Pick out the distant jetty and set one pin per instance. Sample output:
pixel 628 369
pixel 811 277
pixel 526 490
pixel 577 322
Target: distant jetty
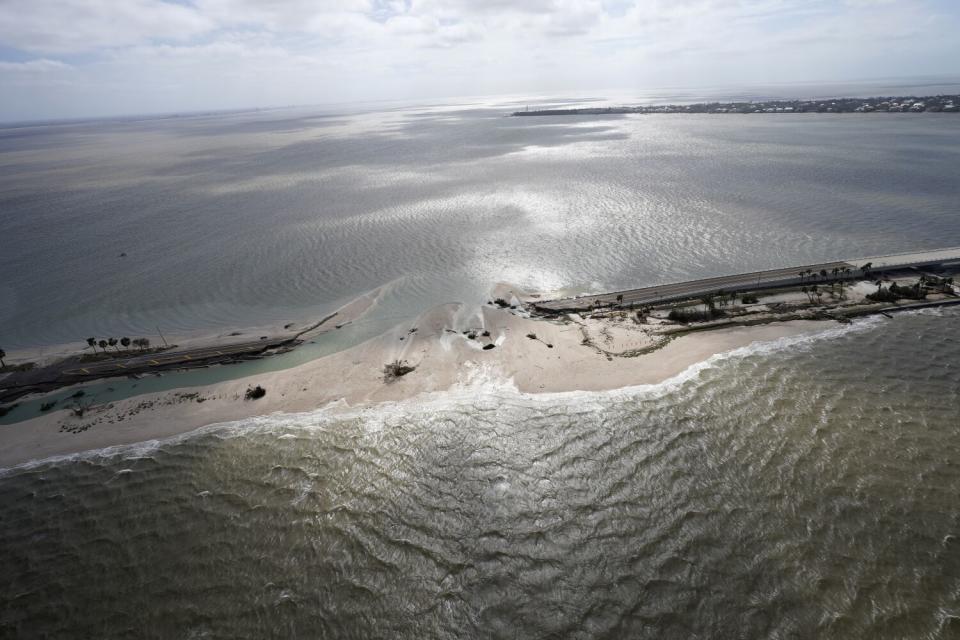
pixel 890 104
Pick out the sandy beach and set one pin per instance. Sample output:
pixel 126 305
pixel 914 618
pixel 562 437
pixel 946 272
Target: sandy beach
pixel 448 345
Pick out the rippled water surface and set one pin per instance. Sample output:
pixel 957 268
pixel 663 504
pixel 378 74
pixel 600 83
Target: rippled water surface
pixel 250 219
pixel 804 489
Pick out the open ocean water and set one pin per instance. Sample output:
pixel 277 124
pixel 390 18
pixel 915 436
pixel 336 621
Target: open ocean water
pixel 804 488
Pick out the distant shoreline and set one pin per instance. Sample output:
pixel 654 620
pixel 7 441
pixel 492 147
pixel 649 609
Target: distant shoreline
pixel 891 104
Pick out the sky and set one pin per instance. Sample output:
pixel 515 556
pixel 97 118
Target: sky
pixel 88 58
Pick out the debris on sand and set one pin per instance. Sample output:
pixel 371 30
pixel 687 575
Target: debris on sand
pixel 396 369
pixel 255 393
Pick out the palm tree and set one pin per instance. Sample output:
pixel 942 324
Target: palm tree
pixel 3 354
pixel 707 301
pixel 801 276
pixel 823 273
pixel 113 343
pixel 145 343
pixel 620 298
pixel 125 342
pixel 103 345
pixel 93 343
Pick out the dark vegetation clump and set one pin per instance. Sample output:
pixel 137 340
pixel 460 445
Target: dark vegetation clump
pixel 884 295
pixel 396 369
pixel 687 315
pixel 79 394
pixel 749 298
pixel 485 334
pixel 500 302
pixel 895 292
pixel 916 292
pixel 255 393
pixel 46 406
pixel 487 347
pixel 7 409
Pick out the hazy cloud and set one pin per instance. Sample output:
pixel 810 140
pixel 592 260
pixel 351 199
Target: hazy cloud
pixel 154 55
pixel 41 65
pixel 71 26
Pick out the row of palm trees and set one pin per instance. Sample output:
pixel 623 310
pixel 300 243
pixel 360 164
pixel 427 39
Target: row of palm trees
pixel 838 272
pixel 141 343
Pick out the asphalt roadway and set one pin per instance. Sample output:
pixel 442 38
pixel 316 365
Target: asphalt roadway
pixel 695 288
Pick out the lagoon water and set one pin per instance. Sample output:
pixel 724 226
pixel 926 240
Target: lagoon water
pixel 805 488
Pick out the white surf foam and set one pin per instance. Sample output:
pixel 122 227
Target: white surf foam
pixel 481 388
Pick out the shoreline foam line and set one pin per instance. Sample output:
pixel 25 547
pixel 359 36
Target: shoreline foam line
pixel 484 384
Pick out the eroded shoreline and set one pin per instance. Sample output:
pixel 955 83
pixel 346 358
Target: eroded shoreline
pixel 446 347
pixel 437 344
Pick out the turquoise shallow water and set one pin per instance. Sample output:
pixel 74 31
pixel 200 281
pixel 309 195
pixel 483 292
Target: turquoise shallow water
pixel 805 488
pixel 113 389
